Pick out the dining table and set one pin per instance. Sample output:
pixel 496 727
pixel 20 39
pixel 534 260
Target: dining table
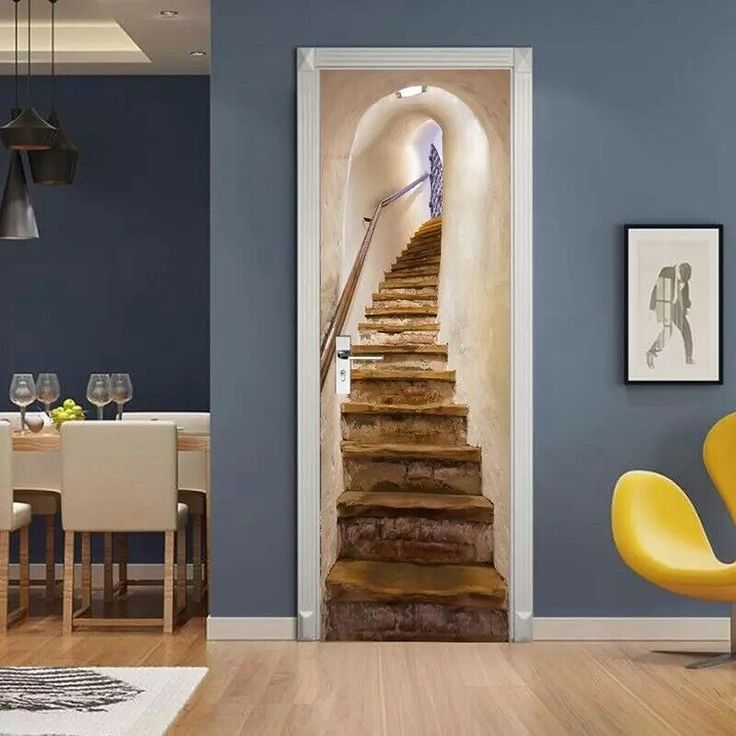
pixel 50 441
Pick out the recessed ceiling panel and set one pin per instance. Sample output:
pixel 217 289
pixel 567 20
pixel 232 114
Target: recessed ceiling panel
pixel 112 36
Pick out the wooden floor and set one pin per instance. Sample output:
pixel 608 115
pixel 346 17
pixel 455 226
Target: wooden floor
pixel 396 689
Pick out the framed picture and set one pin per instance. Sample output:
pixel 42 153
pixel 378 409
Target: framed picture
pixel 674 303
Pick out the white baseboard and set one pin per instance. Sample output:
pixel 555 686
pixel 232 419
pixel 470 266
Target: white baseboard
pixel 632 629
pixel 138 571
pixel 234 628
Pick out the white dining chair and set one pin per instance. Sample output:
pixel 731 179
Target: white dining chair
pixel 193 484
pixel 14 517
pixel 120 477
pixel 37 482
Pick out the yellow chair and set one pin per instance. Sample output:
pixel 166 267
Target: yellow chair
pixel 659 535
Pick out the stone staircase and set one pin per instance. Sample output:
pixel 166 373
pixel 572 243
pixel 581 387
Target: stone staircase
pixel 416 535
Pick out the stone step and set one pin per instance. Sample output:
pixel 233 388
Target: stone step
pixel 377 621
pixel 422 249
pixel 426 233
pixel 400 331
pixel 460 585
pixel 409 269
pixel 409 323
pixel 420 292
pixel 410 273
pixel 388 385
pixel 433 234
pixel 412 311
pixel 403 601
pixel 405 348
pixel 410 451
pixel 415 282
pixel 420 423
pixel 404 261
pixel 404 356
pixel 415 264
pixel 406 324
pixel 425 253
pixel 426 505
pixel 433 410
pixel 387 303
pixel 428 299
pixel 431 224
pixel 403 468
pixel 415 538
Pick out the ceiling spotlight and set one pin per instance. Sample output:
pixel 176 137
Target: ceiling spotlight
pixel 168 13
pixel 198 53
pixel 413 91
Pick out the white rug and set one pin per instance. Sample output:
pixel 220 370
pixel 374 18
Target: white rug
pixel 93 701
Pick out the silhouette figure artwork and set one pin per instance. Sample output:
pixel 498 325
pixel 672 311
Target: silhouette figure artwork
pixel 670 301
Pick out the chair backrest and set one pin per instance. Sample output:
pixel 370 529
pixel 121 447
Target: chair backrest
pixel 652 520
pixel 118 476
pixel 33 470
pixel 719 456
pixel 192 467
pixel 6 476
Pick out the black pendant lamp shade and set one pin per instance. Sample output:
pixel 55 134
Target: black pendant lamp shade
pixel 27 131
pixel 58 164
pixel 17 219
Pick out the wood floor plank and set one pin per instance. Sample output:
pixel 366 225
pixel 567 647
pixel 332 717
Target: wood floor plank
pixel 404 689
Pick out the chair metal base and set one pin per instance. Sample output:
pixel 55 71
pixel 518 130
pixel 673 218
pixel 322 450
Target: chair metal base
pixel 711 659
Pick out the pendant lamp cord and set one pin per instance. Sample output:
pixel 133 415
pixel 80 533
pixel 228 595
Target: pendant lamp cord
pixel 53 54
pixel 17 104
pixel 29 53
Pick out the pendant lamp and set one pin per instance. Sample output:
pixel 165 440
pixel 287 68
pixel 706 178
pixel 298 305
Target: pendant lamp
pixel 17 219
pixel 28 131
pixel 57 165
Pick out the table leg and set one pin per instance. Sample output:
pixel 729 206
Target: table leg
pixel 50 558
pixel 107 563
pixel 86 570
pixel 197 557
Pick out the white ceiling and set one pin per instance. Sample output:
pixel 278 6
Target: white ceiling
pixel 110 36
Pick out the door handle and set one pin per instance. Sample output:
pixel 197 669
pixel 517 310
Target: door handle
pixel 344 361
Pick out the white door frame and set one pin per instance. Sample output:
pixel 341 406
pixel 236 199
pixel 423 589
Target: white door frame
pixel 310 61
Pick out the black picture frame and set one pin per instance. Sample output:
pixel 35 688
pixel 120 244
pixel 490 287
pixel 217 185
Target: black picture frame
pixel 628 229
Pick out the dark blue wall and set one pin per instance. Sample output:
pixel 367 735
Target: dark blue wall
pixel 119 279
pixel 634 121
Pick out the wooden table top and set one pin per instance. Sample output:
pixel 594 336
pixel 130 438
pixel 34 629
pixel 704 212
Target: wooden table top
pixel 51 442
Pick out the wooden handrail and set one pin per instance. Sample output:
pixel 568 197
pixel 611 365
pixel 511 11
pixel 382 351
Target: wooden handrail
pixel 327 349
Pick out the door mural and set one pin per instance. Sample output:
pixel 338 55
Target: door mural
pixel 415 411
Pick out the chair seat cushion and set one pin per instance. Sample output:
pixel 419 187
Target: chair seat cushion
pixel 21 516
pixel 195 500
pixel 182 515
pixel 42 503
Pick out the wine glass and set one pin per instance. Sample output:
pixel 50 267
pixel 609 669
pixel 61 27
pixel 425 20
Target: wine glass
pixel 99 392
pixel 48 389
pixel 122 390
pixel 22 394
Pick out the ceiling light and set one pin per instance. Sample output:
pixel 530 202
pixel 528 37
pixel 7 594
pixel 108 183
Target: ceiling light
pixel 198 53
pixel 412 91
pixel 168 13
